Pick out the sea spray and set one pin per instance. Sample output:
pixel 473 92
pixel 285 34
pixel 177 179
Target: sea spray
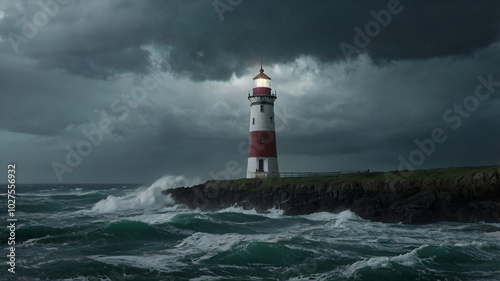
pixel 144 198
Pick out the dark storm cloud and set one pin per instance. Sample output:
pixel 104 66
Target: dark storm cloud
pixel 371 115
pixel 39 102
pixel 96 39
pixel 102 38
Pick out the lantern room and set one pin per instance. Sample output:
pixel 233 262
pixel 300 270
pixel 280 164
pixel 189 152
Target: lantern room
pixel 262 84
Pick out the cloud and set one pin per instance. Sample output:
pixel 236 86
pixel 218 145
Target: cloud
pixel 100 39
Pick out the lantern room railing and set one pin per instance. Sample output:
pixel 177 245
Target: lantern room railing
pixel 273 93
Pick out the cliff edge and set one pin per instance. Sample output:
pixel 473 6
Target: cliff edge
pixel 471 197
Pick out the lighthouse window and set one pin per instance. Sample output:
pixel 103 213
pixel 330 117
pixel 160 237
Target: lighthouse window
pixel 253 121
pixel 262 138
pixel 261 108
pixel 271 119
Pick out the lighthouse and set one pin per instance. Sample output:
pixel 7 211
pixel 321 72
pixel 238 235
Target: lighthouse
pixel 262 154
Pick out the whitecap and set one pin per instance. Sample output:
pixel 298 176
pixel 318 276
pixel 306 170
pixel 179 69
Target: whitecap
pixel 73 192
pixel 238 209
pixel 346 215
pixel 474 244
pixel 162 263
pixel 271 213
pixel 33 241
pixel 144 198
pixel 494 234
pixel 212 244
pixel 408 259
pixel 157 218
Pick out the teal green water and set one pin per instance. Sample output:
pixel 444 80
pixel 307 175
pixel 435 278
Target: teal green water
pixel 115 232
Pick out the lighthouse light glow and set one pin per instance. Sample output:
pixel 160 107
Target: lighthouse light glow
pixel 266 83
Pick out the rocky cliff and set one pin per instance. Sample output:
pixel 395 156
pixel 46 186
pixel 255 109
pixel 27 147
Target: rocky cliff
pixel 467 198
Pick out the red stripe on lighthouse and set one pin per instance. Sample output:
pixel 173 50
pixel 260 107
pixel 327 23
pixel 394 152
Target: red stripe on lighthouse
pixel 261 91
pixel 262 144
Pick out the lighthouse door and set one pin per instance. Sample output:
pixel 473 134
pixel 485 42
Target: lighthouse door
pixel 261 165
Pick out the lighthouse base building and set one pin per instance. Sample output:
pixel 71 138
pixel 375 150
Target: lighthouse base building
pixel 262 153
pixel 262 167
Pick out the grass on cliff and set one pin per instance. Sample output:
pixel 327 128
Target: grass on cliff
pixel 441 173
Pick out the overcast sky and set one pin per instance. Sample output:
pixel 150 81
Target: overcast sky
pixel 129 91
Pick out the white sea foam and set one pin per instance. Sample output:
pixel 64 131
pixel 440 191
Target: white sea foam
pixel 474 244
pixel 206 242
pixel 162 263
pixel 494 234
pixel 312 277
pixel 326 216
pixel 340 220
pixel 33 241
pixel 144 198
pixel 204 278
pixel 238 210
pixel 321 216
pixel 164 215
pixel 50 193
pixel 408 259
pixel 212 244
pixel 373 263
pixel 271 213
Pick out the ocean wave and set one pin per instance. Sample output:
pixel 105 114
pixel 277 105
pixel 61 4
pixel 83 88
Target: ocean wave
pixel 210 243
pixel 161 216
pixel 449 254
pixel 476 250
pixel 271 213
pixel 409 259
pixel 473 244
pixel 126 229
pixel 51 193
pixel 346 215
pixel 33 241
pixel 495 234
pixel 242 249
pixel 36 233
pixel 162 263
pixel 343 219
pixel 145 198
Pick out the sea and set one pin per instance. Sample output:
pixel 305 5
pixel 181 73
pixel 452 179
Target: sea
pixel 133 232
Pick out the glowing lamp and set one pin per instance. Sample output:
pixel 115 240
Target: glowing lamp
pixel 262 84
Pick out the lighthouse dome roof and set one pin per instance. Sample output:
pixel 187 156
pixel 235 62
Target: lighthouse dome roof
pixel 261 75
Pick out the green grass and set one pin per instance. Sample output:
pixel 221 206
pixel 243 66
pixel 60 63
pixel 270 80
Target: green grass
pixel 452 172
pixel 267 182
pixel 441 173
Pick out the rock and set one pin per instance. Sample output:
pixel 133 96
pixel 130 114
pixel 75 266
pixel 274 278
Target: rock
pixel 490 175
pixel 467 198
pixel 479 177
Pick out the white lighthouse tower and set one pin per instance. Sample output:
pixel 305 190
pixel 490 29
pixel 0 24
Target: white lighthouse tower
pixel 262 154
